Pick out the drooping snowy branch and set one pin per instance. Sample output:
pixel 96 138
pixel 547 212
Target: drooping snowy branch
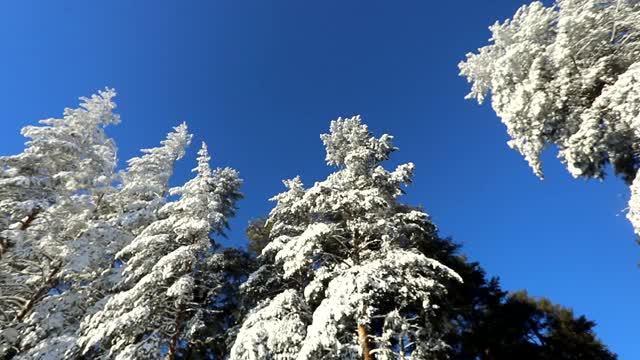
pixel 51 232
pixel 569 76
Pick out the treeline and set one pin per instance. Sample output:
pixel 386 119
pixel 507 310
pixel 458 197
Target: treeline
pixel 97 263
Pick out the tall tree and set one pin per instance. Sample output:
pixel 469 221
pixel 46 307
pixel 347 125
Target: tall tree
pixel 49 191
pixel 116 215
pixel 568 75
pixel 145 184
pixel 523 327
pixel 342 249
pixel 482 321
pixel 161 277
pixel 485 322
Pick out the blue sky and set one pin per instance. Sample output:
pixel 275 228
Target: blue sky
pixel 260 80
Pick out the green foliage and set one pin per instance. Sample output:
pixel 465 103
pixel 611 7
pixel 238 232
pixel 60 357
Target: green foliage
pixel 258 234
pixel 218 303
pixel 488 323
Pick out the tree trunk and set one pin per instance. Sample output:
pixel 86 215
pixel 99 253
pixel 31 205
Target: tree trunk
pixel 48 283
pixel 25 225
pixel 173 346
pixel 5 244
pixel 363 337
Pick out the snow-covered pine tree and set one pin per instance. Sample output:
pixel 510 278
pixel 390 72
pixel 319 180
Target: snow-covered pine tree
pixel 568 75
pixel 351 285
pixel 145 183
pixel 155 313
pixel 115 217
pixel 48 193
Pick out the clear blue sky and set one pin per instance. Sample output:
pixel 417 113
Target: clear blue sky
pixel 260 80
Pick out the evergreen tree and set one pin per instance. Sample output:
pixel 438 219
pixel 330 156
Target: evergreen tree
pixel 145 184
pixel 155 312
pixel 49 191
pixel 342 250
pixel 95 229
pixel 107 228
pixel 523 327
pixel 56 273
pixel 568 75
pixel 482 321
pixel 487 323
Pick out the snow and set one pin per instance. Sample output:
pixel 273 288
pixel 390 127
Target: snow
pixel 345 244
pixel 69 219
pixel 567 75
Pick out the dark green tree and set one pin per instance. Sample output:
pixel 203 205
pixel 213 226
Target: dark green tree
pixel 258 234
pixel 217 303
pixel 487 323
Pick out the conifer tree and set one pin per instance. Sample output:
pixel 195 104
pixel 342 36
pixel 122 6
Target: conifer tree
pixel 161 277
pixel 341 252
pixel 49 191
pixel 481 321
pixel 568 75
pixel 485 322
pixel 145 183
pixel 115 217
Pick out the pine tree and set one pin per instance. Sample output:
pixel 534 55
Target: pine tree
pixel 484 322
pixel 343 255
pixel 154 312
pixel 523 327
pixel 116 216
pixel 49 191
pixel 145 184
pixel 568 75
pixel 481 320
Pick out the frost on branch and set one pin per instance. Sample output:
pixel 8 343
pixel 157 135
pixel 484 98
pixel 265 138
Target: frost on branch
pixel 568 76
pixel 274 329
pixel 159 278
pixel 145 184
pixel 348 243
pixel 52 235
pixel 65 216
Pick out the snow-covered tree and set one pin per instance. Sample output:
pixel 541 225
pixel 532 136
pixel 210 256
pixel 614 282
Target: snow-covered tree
pixel 63 220
pixel 154 312
pixel 63 157
pixel 104 227
pixel 49 191
pixel 568 75
pixel 275 329
pixel 342 258
pixel 146 182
